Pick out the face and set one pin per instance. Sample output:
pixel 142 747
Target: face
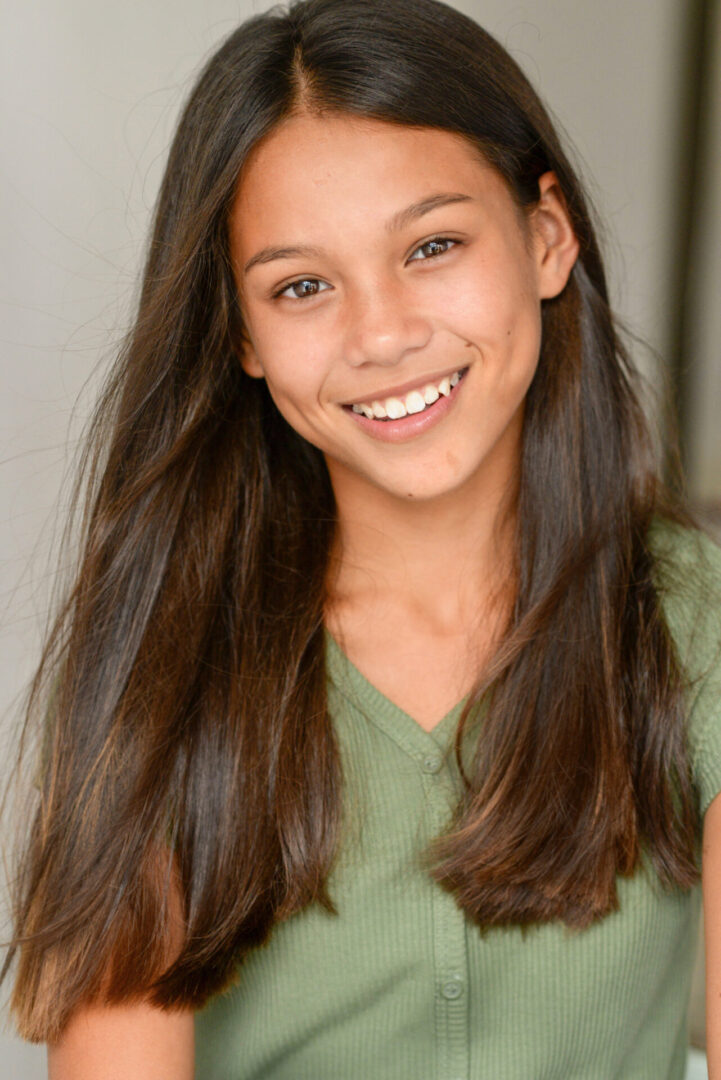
pixel 388 268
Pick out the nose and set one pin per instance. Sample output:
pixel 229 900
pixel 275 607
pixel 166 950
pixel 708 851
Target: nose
pixel 381 325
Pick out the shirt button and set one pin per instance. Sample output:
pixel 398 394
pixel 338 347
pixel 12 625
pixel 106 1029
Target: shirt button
pixel 453 988
pixel 432 763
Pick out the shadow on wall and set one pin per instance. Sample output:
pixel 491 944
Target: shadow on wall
pixel 696 345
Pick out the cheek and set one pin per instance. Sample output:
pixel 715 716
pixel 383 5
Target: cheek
pixel 292 352
pixel 493 303
pixel 506 332
pixel 519 346
pixel 295 375
pixel 501 317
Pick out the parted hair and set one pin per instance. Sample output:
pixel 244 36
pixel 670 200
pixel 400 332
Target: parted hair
pixel 188 747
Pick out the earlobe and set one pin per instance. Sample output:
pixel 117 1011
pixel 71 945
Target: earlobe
pixel 242 343
pixel 556 244
pixel 249 360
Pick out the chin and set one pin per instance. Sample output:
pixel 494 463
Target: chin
pixel 424 491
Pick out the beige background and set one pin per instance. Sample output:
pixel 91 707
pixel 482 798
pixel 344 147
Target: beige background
pixel 89 95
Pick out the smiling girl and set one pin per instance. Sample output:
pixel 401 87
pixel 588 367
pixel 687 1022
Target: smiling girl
pixel 385 729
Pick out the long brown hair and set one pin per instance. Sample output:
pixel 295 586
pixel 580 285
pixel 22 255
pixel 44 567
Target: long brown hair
pixel 188 736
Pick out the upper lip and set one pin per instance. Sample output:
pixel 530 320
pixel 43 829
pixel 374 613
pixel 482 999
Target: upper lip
pixel 404 388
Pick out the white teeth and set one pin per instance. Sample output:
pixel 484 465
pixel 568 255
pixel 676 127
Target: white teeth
pixel 395 408
pixel 414 402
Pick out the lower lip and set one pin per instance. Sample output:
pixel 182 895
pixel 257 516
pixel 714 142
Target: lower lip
pixel 408 427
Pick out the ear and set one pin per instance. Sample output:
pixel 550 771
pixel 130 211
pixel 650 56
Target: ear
pixel 556 246
pixel 247 355
pixel 249 361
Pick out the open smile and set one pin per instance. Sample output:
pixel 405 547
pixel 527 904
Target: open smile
pixel 401 423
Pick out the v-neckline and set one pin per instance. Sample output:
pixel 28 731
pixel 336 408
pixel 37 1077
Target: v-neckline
pixel 381 710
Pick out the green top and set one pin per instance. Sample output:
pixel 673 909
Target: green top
pixel 401 985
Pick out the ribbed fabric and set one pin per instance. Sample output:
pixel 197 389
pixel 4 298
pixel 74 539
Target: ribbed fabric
pixel 401 985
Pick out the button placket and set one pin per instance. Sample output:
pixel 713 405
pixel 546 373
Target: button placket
pixel 450 950
pixel 440 787
pixel 432 763
pixel 452 988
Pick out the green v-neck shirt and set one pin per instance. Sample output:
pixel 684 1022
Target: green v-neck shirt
pixel 400 985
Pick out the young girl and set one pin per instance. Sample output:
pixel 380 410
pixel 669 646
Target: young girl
pixel 382 722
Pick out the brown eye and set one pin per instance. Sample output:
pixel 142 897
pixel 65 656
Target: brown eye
pixel 300 289
pixel 438 245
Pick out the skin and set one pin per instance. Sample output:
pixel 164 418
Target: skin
pixel 435 509
pixel 120 1042
pixel 379 319
pixel 385 309
pixel 382 313
pixel 135 1041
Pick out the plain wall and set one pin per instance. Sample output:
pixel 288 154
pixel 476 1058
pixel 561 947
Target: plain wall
pixel 89 95
pixel 704 308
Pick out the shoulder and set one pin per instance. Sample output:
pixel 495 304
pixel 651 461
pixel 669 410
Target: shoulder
pixel 684 556
pixel 688 578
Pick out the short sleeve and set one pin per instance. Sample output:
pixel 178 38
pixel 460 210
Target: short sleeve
pixel 689 576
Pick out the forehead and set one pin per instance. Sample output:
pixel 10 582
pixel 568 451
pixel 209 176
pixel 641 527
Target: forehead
pixel 313 172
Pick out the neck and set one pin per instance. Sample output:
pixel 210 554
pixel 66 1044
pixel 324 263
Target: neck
pixel 447 562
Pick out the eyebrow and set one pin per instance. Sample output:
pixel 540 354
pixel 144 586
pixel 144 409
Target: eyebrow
pixel 400 220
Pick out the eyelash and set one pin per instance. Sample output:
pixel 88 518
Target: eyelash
pixel 299 281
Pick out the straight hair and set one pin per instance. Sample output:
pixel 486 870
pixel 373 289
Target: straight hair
pixel 188 740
